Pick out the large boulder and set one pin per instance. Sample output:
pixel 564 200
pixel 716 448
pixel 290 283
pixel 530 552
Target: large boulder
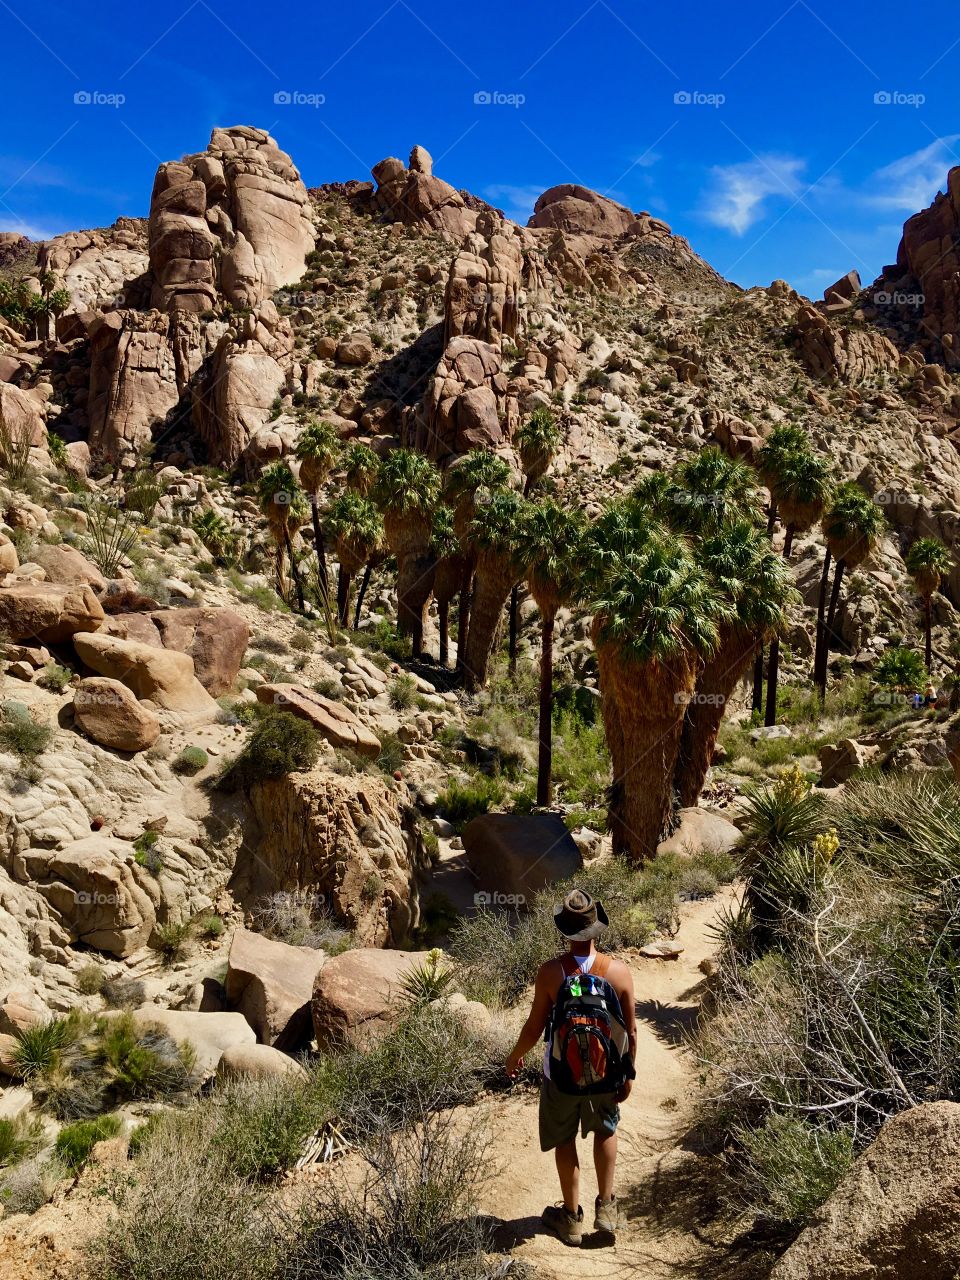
pixel 161 675
pixel 68 566
pixel 102 898
pixel 258 1062
pixel 216 639
pixel 580 211
pixel 209 1035
pixel 335 722
pixel 271 983
pixel 467 404
pixel 133 381
pixel 514 856
pixel 414 196
pixel 353 843
pixel 50 612
pixel 700 830
pixel 357 995
pixel 21 416
pixel 109 713
pixel 483 288
pixel 896 1215
pixel 839 761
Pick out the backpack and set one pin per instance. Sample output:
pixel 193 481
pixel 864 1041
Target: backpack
pixel 589 1048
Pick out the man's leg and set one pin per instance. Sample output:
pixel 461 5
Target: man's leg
pixel 568 1168
pixel 605 1160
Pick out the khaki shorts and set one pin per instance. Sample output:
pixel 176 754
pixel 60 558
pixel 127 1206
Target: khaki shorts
pixel 562 1114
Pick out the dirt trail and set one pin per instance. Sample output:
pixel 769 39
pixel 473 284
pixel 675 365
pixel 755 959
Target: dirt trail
pixel 660 1234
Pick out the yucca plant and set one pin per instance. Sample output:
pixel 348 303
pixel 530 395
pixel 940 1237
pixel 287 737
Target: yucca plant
pixel 142 492
pixel 928 562
pixel 111 536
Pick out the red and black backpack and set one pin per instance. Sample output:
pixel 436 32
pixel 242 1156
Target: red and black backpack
pixel 589 1046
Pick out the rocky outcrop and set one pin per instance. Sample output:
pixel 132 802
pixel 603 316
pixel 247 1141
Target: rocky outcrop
pixel 847 355
pixel 21 416
pixel 483 288
pixel 238 385
pixel 896 1215
pixel 109 713
pixel 414 196
pixel 351 840
pixel 271 984
pixel 332 720
pixel 216 639
pixel 133 382
pixel 66 565
pixel 48 611
pixel 359 993
pixel 232 220
pixel 569 207
pixel 163 676
pixel 929 256
pixel 209 1035
pixel 514 856
pixel 466 405
pixel 100 269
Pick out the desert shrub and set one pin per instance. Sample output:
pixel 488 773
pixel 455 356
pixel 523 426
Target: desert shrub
pixel 270 644
pixel 581 762
pixel 403 692
pixel 19 1139
pixel 171 940
pixel 90 979
pixel 145 852
pixel 190 761
pixel 54 678
pixel 899 668
pixel 123 993
pixel 76 1141
pixel 459 802
pixel 21 735
pixel 28 1185
pixel 210 926
pixel 391 755
pixel 300 918
pixel 280 743
pixel 384 638
pixel 790 1168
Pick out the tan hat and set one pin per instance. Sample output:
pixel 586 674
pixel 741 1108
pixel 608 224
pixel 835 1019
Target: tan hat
pixel 580 917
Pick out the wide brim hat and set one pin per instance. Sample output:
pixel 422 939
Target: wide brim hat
pixel 580 917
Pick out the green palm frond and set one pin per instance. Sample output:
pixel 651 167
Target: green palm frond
pixel 551 538
pixel 356 520
pixel 479 469
pixel 362 467
pixel 407 483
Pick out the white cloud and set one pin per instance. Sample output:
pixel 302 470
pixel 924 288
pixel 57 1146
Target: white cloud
pixel 740 192
pixel 910 183
pixel 516 202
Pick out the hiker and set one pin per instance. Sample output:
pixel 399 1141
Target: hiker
pixel 930 696
pixel 583 1006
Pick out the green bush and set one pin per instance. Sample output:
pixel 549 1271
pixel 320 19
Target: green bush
pixel 19 1139
pixel 581 762
pixel 21 735
pixel 790 1168
pixel 90 979
pixel 391 755
pixel 76 1141
pixel 900 669
pixel 190 761
pixel 403 692
pixel 280 743
pixel 171 940
pixel 210 926
pixel 459 802
pixel 54 677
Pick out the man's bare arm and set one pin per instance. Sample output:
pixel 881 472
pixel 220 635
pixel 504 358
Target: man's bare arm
pixel 536 1022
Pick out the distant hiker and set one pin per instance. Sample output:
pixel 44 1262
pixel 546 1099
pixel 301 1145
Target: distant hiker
pixel 583 1006
pixel 930 696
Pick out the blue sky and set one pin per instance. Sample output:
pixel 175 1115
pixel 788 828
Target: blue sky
pixel 786 139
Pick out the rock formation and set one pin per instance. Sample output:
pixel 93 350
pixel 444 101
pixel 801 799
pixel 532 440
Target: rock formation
pixel 413 195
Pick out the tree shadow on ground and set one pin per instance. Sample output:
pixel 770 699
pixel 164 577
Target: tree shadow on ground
pixel 672 1023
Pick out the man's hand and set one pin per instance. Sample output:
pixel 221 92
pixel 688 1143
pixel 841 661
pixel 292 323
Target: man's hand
pixel 623 1093
pixel 514 1064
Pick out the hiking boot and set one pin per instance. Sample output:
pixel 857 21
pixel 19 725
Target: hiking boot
pixel 568 1226
pixel 605 1215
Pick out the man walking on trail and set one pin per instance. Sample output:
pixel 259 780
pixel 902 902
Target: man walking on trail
pixel 584 1005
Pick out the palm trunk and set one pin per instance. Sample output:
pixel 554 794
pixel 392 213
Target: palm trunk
pixel 322 577
pixel 757 701
pixel 343 596
pixel 364 583
pixel 514 615
pixel 613 730
pixel 491 591
pixel 701 722
pixel 652 699
pixel 463 625
pixel 788 542
pixel 771 518
pixel 294 568
pixel 414 588
pixel 820 649
pixel 545 754
pixel 928 629
pixel 443 617
pixel 773 674
pixel 832 610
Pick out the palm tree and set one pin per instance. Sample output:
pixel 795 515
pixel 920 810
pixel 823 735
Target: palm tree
pixel 355 525
pixel 495 540
pixel 361 466
pixel 852 526
pixel 775 454
pixel 478 471
pixel 746 570
pixel 283 504
pixel 704 493
pixel 928 560
pixel 800 489
pixel 448 576
pixel 656 618
pixel 407 492
pixel 318 448
pixel 537 441
pixel 551 534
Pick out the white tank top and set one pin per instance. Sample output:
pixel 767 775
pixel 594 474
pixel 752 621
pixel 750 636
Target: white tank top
pixel 584 964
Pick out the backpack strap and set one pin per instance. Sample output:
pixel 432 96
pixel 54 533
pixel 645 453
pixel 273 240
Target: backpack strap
pixel 601 966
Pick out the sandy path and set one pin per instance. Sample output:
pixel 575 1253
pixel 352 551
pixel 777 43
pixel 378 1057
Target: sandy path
pixel 656 1238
